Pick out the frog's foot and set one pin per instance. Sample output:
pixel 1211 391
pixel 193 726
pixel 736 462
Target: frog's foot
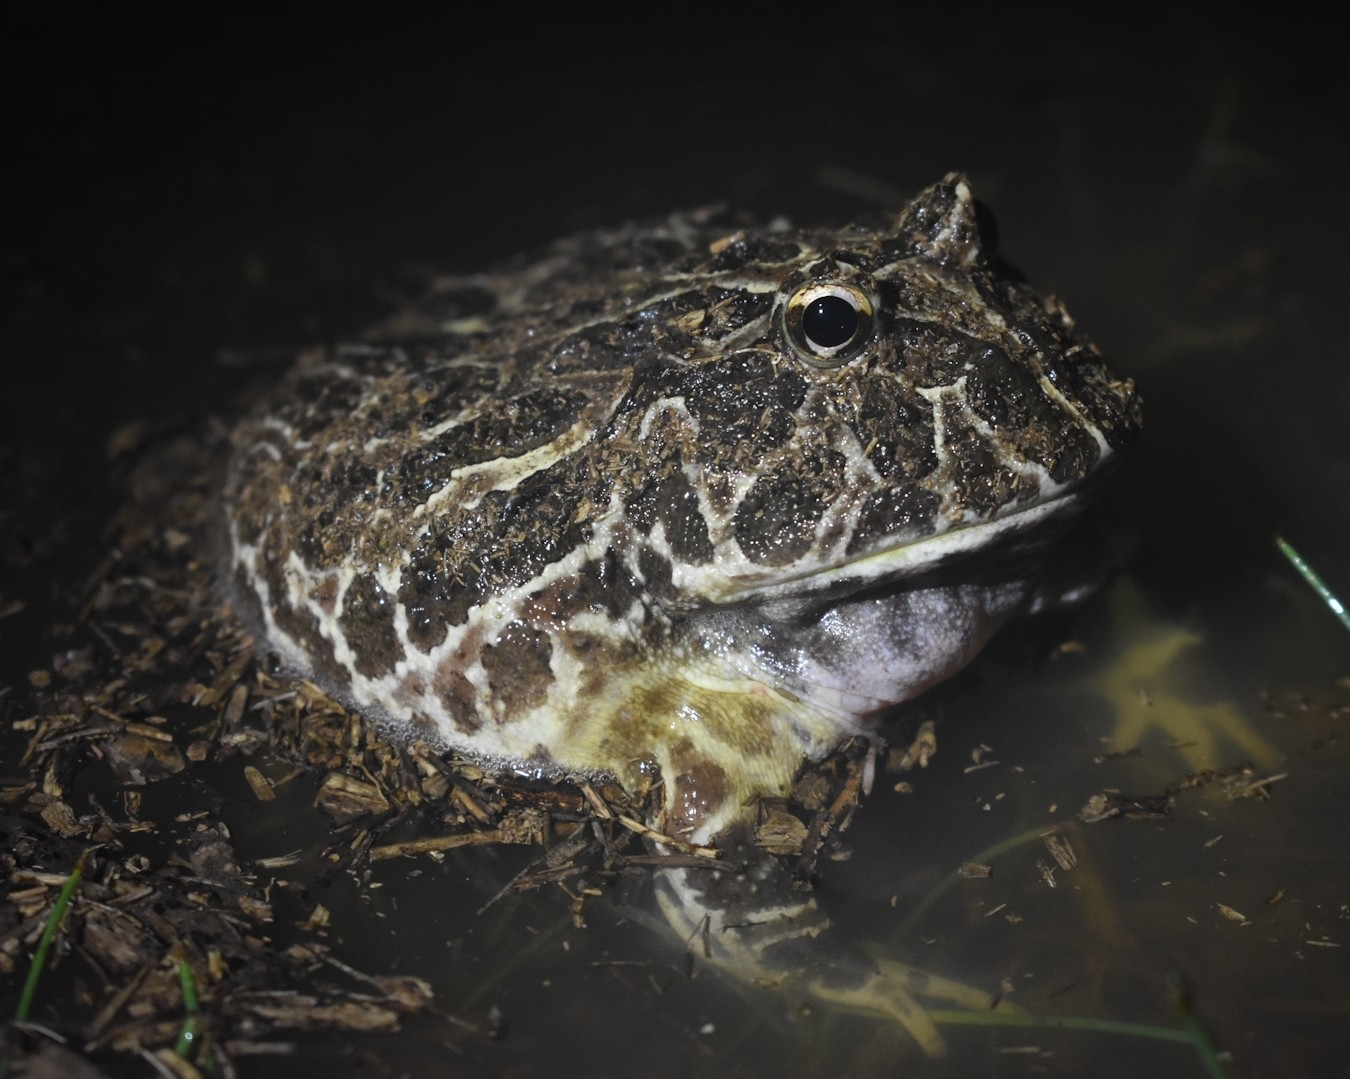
pixel 747 923
pixel 892 990
pixel 884 988
pixel 1200 733
pixel 1146 687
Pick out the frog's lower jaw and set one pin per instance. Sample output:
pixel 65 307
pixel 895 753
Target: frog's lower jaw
pixel 747 920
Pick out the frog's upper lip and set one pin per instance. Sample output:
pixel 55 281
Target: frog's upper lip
pixel 908 557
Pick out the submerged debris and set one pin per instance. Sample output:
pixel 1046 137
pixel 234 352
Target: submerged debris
pixel 1237 781
pixel 153 683
pixel 1106 804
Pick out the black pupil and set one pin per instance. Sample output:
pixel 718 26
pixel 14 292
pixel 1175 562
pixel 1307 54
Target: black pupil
pixel 830 321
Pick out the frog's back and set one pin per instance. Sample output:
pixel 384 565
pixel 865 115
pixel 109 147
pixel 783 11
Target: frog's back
pixel 571 516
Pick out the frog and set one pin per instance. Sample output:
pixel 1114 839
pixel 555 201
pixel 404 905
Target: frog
pixel 688 504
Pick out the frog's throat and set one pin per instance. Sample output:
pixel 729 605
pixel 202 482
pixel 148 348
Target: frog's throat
pixel 720 745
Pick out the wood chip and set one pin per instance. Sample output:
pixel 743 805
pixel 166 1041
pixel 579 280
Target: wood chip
pixel 919 752
pixel 667 840
pixel 345 798
pixel 780 832
pixel 262 789
pixel 1061 850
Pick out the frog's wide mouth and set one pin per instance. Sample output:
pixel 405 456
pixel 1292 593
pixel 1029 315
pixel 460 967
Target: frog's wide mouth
pixel 907 557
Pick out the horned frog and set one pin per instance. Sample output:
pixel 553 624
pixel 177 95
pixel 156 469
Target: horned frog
pixel 695 502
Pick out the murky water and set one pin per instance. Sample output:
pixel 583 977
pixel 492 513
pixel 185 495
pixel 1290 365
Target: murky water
pixel 1185 197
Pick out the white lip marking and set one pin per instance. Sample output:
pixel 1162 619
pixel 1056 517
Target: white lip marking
pixel 909 557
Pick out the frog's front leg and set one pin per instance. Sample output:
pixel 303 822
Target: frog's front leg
pixel 750 919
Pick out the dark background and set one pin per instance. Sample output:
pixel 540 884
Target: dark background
pixel 195 194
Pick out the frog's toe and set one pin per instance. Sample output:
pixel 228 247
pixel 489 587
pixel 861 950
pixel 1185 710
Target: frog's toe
pixel 886 997
pixel 922 983
pixel 1203 735
pixel 892 990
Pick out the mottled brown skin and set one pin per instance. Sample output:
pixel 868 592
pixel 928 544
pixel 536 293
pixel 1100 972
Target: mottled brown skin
pixel 695 501
pixel 571 502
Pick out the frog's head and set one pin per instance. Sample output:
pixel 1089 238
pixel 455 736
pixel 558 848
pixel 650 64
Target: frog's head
pixel 869 403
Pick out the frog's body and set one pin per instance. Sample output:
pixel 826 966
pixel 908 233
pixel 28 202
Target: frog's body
pixel 671 500
pixel 692 504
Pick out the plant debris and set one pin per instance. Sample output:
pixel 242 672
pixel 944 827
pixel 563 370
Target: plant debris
pixel 172 944
pixel 1237 781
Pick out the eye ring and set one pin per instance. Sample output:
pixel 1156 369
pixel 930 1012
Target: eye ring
pixel 828 323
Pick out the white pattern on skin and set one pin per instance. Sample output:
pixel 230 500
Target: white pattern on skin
pixel 617 510
pixel 602 511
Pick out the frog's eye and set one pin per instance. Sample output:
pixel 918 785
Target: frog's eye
pixel 828 324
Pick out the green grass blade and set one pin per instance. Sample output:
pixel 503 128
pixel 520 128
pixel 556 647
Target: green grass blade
pixel 188 1034
pixel 1314 580
pixel 48 935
